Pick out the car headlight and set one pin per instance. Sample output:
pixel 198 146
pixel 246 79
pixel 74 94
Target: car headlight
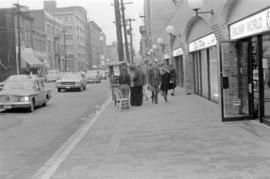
pixel 24 98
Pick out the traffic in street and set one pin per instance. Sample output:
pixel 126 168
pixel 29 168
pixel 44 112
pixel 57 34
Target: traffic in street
pixel 29 139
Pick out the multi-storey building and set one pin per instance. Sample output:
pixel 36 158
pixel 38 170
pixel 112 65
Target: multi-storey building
pixel 74 20
pixel 223 56
pixel 48 39
pixel 112 54
pixel 96 47
pixel 10 62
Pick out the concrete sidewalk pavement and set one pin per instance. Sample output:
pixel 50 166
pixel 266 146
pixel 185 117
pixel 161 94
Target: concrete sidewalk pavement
pixel 182 139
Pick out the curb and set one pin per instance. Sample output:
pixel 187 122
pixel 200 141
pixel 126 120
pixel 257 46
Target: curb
pixel 51 166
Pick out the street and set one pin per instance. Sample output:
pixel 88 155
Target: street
pixel 28 140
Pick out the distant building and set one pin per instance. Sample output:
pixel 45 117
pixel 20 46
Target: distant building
pixel 74 20
pixel 112 54
pixel 96 45
pixel 48 39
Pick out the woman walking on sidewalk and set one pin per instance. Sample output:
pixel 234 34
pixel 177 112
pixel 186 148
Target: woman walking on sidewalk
pixel 165 82
pixel 154 80
pixel 173 78
pixel 136 92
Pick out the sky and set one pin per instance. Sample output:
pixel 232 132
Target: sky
pixel 100 11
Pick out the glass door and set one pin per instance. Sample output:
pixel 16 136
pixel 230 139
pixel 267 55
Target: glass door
pixel 236 80
pixel 266 75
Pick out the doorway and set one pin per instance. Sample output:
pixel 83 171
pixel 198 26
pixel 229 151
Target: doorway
pixel 245 93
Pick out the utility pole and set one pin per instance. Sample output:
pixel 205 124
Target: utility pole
pixel 65 53
pixel 125 30
pixel 18 61
pixel 118 30
pixel 131 44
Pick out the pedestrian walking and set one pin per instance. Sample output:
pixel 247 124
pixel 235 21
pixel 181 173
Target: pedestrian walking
pixel 154 80
pixel 124 81
pixel 173 78
pixel 136 92
pixel 165 82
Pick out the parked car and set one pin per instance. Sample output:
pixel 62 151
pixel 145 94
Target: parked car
pixel 24 91
pixel 102 74
pixel 53 75
pixel 92 76
pixel 72 81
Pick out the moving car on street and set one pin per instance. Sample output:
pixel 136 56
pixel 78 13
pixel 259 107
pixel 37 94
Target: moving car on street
pixel 24 91
pixel 72 81
pixel 92 76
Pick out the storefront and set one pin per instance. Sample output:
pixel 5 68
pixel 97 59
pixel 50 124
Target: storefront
pixel 205 67
pixel 245 69
pixel 179 64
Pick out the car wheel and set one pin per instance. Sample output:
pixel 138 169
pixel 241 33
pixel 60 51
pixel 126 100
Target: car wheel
pixel 32 106
pixel 59 90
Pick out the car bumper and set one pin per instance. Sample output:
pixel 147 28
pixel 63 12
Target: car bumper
pixel 93 80
pixel 11 105
pixel 68 86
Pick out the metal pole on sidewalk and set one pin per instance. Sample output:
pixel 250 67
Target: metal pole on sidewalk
pixel 125 30
pixel 118 30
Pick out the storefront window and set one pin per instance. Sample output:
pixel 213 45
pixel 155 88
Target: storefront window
pixel 214 73
pixel 266 74
pixel 204 73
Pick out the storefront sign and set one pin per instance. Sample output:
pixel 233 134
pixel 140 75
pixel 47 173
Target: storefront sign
pixel 205 42
pixel 255 24
pixel 178 52
pixel 166 56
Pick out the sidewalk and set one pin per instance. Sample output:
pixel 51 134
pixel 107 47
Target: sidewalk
pixel 182 139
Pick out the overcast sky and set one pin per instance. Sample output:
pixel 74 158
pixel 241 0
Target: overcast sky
pixel 101 11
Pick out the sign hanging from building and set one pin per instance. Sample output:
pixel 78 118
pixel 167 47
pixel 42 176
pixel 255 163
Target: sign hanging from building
pixel 202 43
pixel 255 24
pixel 178 52
pixel 166 56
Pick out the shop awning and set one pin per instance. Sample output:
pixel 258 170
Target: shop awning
pixel 31 59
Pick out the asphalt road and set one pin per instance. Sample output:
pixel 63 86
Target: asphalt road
pixel 28 140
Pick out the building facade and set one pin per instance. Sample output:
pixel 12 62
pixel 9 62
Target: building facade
pixel 96 45
pixel 222 57
pixel 74 20
pixel 11 63
pixel 48 39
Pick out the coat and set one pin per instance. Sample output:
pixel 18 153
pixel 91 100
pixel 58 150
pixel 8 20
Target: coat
pixel 165 81
pixel 154 77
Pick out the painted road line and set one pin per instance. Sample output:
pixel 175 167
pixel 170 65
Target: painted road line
pixel 51 166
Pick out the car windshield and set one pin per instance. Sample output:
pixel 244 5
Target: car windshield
pixel 14 85
pixel 71 76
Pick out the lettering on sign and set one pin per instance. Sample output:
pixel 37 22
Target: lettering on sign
pixel 257 23
pixel 204 42
pixel 166 56
pixel 178 52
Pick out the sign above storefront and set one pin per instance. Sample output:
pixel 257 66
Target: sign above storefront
pixel 255 24
pixel 204 42
pixel 178 52
pixel 166 56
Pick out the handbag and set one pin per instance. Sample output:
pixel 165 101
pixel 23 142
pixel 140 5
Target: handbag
pixel 150 88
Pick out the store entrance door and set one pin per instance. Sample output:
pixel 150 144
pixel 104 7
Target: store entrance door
pixel 236 81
